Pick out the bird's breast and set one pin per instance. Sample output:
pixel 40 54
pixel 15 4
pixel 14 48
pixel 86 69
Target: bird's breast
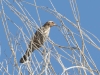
pixel 46 32
pixel 42 35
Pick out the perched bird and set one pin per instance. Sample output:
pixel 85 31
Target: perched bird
pixel 38 39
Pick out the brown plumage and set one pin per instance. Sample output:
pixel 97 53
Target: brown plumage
pixel 38 39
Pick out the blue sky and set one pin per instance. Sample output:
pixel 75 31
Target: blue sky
pixel 89 19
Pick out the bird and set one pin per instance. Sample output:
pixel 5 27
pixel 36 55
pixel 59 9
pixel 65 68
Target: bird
pixel 38 39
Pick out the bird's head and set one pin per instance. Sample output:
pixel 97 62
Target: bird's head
pixel 50 24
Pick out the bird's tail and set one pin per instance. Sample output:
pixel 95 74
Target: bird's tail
pixel 31 48
pixel 26 55
pixel 23 59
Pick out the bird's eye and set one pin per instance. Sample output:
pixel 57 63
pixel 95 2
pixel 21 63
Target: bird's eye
pixel 52 22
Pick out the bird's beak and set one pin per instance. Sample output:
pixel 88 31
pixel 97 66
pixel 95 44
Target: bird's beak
pixel 55 25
